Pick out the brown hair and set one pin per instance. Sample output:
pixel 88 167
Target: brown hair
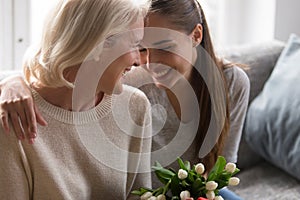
pixel 185 15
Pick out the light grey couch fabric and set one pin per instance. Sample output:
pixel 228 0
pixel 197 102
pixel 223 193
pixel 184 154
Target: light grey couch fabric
pixel 260 179
pixel 266 182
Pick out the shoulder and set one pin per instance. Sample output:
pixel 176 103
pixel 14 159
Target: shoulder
pixel 133 104
pixel 9 147
pixel 135 93
pixel 135 96
pixel 238 87
pixel 237 80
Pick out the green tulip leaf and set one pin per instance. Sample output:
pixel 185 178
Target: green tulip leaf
pixel 217 169
pixel 187 165
pixel 141 191
pixel 237 170
pixel 175 187
pixel 181 164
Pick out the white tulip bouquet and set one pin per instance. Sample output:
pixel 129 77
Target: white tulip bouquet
pixel 190 183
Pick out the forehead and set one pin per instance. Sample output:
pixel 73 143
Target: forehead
pixel 158 20
pixel 159 27
pixel 137 29
pixel 154 36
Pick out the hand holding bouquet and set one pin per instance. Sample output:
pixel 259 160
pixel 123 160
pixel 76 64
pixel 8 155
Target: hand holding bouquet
pixel 190 183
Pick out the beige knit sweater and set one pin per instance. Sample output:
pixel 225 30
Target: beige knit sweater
pixel 81 155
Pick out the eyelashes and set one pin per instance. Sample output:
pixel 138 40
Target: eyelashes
pixel 142 49
pixel 166 48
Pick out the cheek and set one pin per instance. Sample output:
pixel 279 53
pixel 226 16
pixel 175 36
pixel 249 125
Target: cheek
pixel 127 59
pixel 171 60
pixel 176 61
pixel 181 65
pixel 115 70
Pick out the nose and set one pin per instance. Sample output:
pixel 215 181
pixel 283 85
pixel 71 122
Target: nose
pixel 144 56
pixel 136 56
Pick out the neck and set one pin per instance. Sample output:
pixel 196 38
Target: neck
pixel 73 99
pixel 174 102
pixel 64 97
pixel 185 102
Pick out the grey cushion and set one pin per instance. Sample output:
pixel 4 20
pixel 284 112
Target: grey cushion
pixel 273 128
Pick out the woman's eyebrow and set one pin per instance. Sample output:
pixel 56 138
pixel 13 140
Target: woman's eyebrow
pixel 161 42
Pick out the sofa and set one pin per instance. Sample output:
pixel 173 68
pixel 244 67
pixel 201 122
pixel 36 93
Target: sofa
pixel 259 178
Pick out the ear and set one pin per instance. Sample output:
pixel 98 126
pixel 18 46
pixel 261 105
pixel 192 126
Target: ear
pixel 197 35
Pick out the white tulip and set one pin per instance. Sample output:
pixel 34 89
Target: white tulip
pixel 199 168
pixel 184 195
pixel 161 197
pixel 211 185
pixel 182 174
pixel 233 181
pixel 218 198
pixel 146 196
pixel 230 167
pixel 152 198
pixel 210 195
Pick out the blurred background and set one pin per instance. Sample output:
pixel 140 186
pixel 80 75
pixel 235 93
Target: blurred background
pixel 232 22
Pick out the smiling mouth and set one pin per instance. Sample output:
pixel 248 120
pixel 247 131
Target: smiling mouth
pixel 161 73
pixel 126 71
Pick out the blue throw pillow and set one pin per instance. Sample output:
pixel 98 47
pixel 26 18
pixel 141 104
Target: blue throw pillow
pixel 273 120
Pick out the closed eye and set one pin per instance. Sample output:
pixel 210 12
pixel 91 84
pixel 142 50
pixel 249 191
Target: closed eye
pixel 166 48
pixel 142 49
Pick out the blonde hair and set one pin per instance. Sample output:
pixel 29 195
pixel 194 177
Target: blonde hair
pixel 72 30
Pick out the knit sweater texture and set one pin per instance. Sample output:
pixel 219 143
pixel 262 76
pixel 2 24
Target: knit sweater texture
pixel 94 154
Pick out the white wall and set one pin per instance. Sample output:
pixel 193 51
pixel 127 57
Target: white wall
pixel 240 21
pixel 21 30
pixel 232 22
pixel 21 23
pixel 287 19
pixel 6 35
pixel 14 32
pixel 39 11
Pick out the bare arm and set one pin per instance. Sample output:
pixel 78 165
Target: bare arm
pixel 17 107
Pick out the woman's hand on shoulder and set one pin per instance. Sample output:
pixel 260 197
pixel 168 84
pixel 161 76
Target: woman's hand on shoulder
pixel 17 107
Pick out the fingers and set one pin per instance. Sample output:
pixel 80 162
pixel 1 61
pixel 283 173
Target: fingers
pixel 21 113
pixel 4 121
pixel 14 117
pixel 17 108
pixel 24 128
pixel 39 117
pixel 29 112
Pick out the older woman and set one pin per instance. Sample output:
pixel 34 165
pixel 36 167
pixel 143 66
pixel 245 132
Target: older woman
pixel 84 152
